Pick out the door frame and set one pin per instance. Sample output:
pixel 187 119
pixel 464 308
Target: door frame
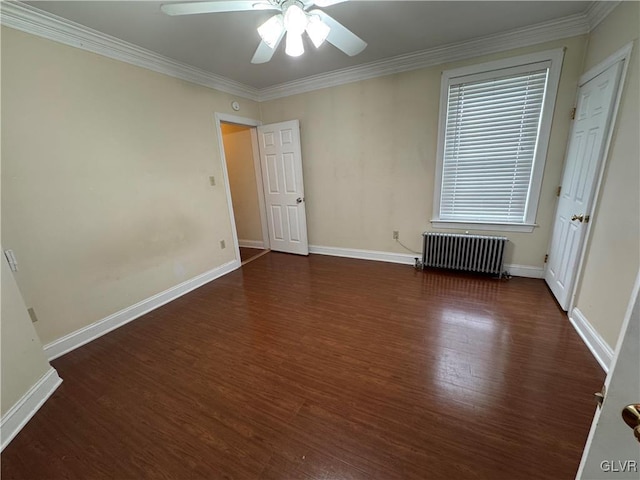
pixel 248 122
pixel 623 54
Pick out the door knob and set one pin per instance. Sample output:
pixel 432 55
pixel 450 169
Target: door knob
pixel 631 416
pixel 581 218
pixel 299 200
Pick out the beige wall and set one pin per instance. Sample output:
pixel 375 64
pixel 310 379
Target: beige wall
pixel 369 155
pixel 105 191
pixel 22 359
pixel 238 151
pixel 613 249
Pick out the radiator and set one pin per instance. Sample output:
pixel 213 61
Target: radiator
pixel 473 253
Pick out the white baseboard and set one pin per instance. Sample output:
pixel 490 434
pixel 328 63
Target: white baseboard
pixel 251 244
pixel 524 271
pixel 17 417
pixel 97 329
pixel 599 348
pixel 403 258
pixel 409 259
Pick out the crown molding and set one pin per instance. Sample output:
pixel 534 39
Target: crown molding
pixel 44 24
pixel 597 11
pixel 521 37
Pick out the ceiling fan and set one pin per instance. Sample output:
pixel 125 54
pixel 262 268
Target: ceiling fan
pixel 294 18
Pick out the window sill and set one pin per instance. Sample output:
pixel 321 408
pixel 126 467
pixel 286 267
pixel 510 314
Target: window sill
pixel 494 227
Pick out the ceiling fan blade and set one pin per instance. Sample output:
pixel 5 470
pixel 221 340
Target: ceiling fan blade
pixel 264 52
pixel 191 8
pixel 327 3
pixel 340 36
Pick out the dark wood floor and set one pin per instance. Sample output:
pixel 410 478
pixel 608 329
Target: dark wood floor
pixel 249 253
pixel 324 368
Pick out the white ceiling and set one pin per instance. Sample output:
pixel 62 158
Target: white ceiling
pixel 223 43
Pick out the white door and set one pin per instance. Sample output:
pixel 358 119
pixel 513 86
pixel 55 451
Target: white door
pixel 281 162
pixel 612 451
pixel 584 155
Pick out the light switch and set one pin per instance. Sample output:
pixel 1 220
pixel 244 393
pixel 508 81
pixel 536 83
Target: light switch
pixel 212 180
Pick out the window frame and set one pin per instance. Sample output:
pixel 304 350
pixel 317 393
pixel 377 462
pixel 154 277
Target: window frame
pixel 555 57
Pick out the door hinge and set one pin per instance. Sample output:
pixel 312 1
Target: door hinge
pixel 11 259
pixel 558 191
pixel 546 258
pixel 600 396
pixel 573 113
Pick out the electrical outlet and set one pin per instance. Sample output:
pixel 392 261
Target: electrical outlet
pixel 396 234
pixel 212 180
pixel 222 244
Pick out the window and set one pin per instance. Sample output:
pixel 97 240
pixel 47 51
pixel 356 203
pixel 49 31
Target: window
pixel 495 121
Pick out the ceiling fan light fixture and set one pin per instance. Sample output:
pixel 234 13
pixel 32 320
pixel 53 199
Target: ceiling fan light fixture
pixel 295 19
pixel 294 47
pixel 317 30
pixel 271 30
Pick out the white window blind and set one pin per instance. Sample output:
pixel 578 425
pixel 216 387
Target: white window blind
pixel 492 130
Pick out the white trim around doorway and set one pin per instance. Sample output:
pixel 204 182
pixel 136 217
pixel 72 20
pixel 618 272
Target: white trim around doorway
pixel 249 122
pixel 623 54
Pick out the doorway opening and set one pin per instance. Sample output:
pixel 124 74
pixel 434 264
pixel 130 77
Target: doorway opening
pixel 239 145
pixel 276 180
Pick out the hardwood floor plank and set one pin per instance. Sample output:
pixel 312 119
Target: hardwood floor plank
pixel 319 368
